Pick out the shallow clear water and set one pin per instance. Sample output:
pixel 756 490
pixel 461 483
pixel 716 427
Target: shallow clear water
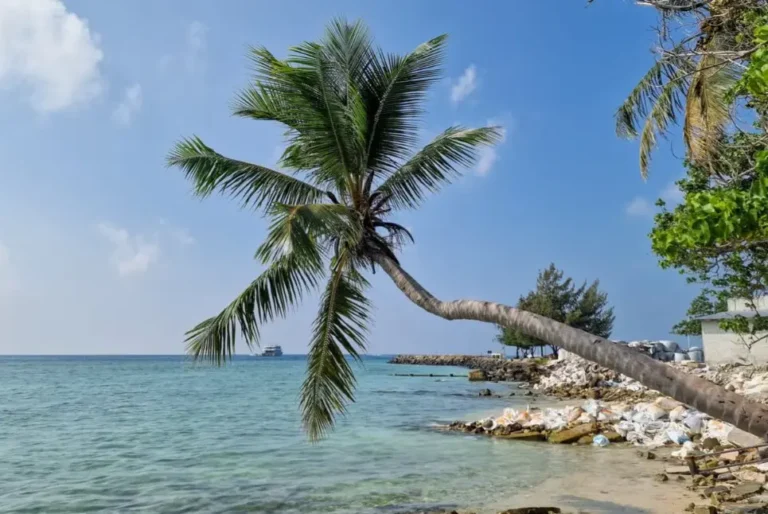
pixel 161 435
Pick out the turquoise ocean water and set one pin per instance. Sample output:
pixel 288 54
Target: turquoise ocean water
pixel 162 435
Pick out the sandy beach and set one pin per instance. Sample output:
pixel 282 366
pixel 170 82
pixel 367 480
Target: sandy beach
pixel 611 480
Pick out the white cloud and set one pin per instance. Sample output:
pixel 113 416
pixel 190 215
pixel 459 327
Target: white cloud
pixel 489 154
pixel 639 206
pixel 195 45
pixel 48 54
pixel 672 194
pixel 132 254
pixel 464 85
pixel 129 106
pixel 179 234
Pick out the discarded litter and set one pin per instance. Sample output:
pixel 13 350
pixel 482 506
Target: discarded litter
pixel 600 440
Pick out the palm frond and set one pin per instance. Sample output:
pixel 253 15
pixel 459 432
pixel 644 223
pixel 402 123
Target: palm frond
pixel 270 296
pixel 303 228
pixel 253 185
pixel 633 113
pixel 312 94
pixel 708 109
pixel 394 93
pixel 436 164
pixel 664 111
pixel 340 326
pixel 397 235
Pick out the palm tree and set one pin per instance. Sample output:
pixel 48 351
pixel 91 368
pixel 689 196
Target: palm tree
pixel 352 114
pixel 690 80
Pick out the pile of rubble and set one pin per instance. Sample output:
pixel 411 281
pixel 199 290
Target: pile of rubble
pixel 574 377
pixel 649 424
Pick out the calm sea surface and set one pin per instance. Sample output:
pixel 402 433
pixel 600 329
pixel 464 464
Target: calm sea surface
pixel 162 435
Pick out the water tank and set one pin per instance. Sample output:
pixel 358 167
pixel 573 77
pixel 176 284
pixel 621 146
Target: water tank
pixel 696 354
pixel 670 346
pixel 680 356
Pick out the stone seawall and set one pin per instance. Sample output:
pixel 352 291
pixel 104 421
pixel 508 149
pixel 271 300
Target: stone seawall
pixel 494 369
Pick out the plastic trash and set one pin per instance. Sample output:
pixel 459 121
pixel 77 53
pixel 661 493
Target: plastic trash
pixel 592 407
pixel 687 449
pixel 677 436
pixel 623 428
pixel 695 423
pixel 600 440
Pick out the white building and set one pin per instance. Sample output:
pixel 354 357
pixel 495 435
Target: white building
pixel 721 347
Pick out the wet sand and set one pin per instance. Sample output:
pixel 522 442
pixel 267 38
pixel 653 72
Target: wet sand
pixel 610 481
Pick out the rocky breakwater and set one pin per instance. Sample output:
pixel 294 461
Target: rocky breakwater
pixel 483 368
pixel 575 377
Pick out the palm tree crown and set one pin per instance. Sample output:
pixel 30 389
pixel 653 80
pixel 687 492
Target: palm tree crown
pixel 352 116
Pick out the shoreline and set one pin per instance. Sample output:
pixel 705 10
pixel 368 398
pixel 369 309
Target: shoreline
pixel 621 477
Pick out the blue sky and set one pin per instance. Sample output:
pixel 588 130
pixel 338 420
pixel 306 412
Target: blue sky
pixel 103 250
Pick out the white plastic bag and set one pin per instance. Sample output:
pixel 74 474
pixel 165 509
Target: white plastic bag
pixel 695 423
pixel 623 428
pixel 687 449
pixel 600 440
pixel 677 436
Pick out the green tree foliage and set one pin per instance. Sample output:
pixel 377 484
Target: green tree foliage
pixel 584 307
pixel 351 115
pixel 703 305
pixel 718 235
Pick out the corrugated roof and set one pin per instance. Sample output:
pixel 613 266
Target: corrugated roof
pixel 732 314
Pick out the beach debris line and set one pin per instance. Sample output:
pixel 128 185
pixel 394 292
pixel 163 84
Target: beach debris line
pixel 661 422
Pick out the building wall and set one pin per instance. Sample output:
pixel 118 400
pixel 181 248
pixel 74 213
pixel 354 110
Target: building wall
pixel 740 304
pixel 721 347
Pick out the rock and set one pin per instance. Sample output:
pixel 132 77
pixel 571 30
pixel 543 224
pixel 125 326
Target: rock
pixel 741 438
pixel 586 439
pixel 730 456
pixel 488 424
pixel 485 392
pixel 668 404
pixel 477 375
pixel 643 454
pixel 710 443
pixel 525 436
pixel 745 490
pixel 613 437
pixel 704 509
pixel 750 476
pixel 570 435
pixel 532 510
pixel 709 491
pixel 661 477
pixel 740 508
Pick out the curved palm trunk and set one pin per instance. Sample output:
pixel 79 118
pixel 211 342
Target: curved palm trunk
pixel 691 390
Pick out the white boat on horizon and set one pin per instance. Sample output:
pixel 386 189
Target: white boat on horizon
pixel 272 351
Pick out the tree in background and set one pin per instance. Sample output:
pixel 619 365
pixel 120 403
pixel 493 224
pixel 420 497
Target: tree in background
pixel 507 337
pixel 703 305
pixel 556 297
